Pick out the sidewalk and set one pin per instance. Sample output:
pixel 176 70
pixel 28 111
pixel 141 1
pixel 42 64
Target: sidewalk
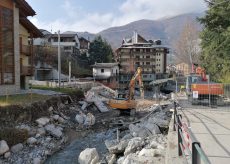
pixel 211 128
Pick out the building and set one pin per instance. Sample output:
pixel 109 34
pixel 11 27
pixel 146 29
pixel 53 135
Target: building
pixel 106 73
pixel 68 42
pixel 84 46
pixel 150 55
pixel 183 69
pixel 16 50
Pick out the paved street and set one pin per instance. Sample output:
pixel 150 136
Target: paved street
pixel 211 128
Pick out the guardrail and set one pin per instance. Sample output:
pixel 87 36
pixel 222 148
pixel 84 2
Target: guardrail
pixel 188 146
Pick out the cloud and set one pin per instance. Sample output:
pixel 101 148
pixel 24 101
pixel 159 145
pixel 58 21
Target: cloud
pixel 76 19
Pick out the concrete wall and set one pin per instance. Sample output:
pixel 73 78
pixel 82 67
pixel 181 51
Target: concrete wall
pixel 11 89
pixel 108 72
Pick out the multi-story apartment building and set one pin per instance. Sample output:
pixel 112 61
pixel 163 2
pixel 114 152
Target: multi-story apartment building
pixel 151 56
pixel 16 39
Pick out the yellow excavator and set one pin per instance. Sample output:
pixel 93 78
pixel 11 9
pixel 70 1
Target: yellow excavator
pixel 128 103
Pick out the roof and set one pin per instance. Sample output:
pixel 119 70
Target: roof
pixel 82 38
pixel 104 65
pixel 63 35
pixel 30 27
pixel 25 8
pixel 151 46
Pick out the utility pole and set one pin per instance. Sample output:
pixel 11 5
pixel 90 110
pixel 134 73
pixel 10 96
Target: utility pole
pixel 59 61
pixel 69 71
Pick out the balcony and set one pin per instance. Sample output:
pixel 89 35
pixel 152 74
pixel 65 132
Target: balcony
pixel 26 50
pixel 27 70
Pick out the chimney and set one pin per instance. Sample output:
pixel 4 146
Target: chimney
pixel 134 39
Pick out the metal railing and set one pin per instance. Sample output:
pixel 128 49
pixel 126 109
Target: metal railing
pixel 186 139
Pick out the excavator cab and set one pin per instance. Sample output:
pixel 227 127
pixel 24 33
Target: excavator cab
pixel 125 101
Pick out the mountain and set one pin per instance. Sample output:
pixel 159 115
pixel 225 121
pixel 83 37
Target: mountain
pixel 167 29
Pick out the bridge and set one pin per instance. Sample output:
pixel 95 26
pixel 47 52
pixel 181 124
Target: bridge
pixel 199 134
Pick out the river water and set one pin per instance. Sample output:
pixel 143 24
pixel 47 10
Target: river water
pixel 70 154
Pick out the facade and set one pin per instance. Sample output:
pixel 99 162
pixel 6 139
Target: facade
pixel 16 40
pixel 135 52
pixel 107 73
pixel 183 68
pixel 68 42
pixel 84 46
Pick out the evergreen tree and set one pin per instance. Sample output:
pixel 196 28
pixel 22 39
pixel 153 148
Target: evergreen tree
pixel 100 51
pixel 215 37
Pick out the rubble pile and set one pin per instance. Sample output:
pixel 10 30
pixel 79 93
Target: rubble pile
pixel 143 142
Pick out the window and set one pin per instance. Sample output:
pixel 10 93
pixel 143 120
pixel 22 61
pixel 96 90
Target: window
pixel 102 70
pixel 147 63
pixel 147 57
pixel 6 47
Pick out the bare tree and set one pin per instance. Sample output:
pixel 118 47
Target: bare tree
pixel 187 46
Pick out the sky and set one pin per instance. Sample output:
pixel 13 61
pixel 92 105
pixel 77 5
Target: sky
pixel 96 15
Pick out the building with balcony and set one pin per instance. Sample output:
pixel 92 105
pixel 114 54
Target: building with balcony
pixel 68 42
pixel 106 73
pixel 16 50
pixel 150 55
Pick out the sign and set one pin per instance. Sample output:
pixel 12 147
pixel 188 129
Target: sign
pixel 195 94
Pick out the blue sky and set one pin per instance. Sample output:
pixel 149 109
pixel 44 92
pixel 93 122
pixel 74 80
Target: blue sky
pixel 96 15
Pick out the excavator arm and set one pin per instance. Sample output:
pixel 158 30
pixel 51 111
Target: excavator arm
pixel 137 75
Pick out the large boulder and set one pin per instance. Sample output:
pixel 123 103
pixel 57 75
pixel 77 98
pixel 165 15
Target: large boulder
pixel 153 128
pixel 42 121
pixel 3 147
pixel 116 147
pixel 134 145
pixel 16 148
pixel 160 120
pixel 88 156
pixel 52 130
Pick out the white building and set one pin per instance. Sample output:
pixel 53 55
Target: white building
pixel 107 73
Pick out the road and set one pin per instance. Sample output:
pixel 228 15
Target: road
pixel 211 128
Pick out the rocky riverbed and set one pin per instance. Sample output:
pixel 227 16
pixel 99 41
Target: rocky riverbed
pixel 66 131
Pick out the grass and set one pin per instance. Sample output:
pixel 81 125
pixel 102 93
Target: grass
pixel 62 90
pixel 21 99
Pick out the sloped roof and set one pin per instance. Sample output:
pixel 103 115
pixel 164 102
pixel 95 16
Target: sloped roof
pixel 30 27
pixel 64 35
pixel 25 8
pixel 104 65
pixel 141 39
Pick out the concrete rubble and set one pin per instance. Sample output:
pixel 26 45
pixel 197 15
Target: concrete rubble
pixel 144 141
